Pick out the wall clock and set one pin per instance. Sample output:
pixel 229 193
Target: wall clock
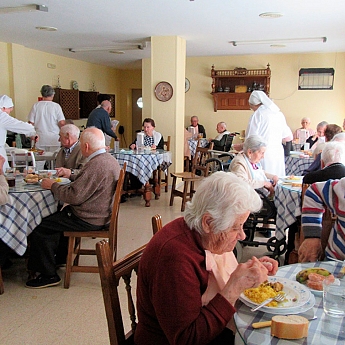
pixel 186 85
pixel 163 91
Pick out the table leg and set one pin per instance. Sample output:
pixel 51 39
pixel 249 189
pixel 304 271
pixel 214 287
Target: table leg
pixel 156 184
pixel 147 194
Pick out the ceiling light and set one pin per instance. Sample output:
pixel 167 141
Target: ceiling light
pixel 46 28
pixel 270 15
pixel 25 8
pixel 280 41
pixel 116 51
pixel 115 48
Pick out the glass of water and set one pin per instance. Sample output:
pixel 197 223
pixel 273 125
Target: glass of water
pixel 334 297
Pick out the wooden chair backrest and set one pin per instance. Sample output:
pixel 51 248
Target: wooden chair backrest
pixel 115 211
pixel 202 154
pixel 156 223
pixel 111 273
pixel 167 143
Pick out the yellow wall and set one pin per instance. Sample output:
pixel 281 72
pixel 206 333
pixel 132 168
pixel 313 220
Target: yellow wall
pixel 328 105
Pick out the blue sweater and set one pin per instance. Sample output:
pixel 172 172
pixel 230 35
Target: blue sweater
pixel 99 118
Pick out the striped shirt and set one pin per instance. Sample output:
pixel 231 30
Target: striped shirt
pixel 318 197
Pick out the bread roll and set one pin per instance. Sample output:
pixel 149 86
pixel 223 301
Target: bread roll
pixel 289 327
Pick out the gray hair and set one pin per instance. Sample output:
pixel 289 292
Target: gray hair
pixel 333 152
pixel 224 197
pixel 47 91
pixel 339 137
pixel 254 143
pixel 70 129
pixel 305 119
pixel 96 142
pixel 322 124
pixel 222 123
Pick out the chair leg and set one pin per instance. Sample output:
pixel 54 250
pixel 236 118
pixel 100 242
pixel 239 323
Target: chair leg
pixel 166 181
pixel 2 290
pixel 185 193
pixel 69 263
pixel 173 187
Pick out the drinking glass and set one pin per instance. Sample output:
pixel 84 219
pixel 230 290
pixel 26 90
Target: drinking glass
pixel 334 297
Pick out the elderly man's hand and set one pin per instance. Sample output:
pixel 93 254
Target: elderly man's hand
pixel 63 172
pixel 47 183
pixel 310 250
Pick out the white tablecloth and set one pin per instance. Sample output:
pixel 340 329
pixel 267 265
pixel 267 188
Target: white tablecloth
pixel 23 212
pixel 142 165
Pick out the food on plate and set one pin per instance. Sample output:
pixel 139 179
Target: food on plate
pixel 264 291
pixel 31 178
pixel 58 179
pixel 292 177
pixel 313 277
pixel 289 327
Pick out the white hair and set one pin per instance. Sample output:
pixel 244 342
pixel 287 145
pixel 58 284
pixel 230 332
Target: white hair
pixel 223 196
pixel 333 152
pixel 70 129
pixel 254 143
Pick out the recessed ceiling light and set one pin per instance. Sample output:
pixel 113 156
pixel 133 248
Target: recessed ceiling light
pixel 116 51
pixel 270 15
pixel 278 46
pixel 46 28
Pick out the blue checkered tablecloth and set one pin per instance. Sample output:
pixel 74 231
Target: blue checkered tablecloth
pixel 324 330
pixel 22 213
pixel 142 165
pixel 192 143
pixel 296 166
pixel 287 200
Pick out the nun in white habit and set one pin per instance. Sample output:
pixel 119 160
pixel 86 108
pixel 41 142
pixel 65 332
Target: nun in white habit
pixel 269 122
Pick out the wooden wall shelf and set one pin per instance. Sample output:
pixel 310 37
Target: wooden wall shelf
pixel 231 88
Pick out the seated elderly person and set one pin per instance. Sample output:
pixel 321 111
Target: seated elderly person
pixel 332 163
pixel 89 197
pixel 152 138
pixel 330 132
pixel 320 132
pixel 189 279
pixel 318 197
pixel 69 159
pixel 247 165
pixel 220 140
pixel 305 122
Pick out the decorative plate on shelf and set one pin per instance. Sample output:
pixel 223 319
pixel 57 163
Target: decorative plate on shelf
pixel 186 85
pixel 163 91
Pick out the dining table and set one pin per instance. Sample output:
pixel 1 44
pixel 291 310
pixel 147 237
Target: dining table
pixel 296 163
pixel 145 164
pixel 324 330
pixel 193 143
pixel 27 205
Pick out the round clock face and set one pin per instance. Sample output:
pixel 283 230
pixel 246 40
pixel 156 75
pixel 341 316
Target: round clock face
pixel 163 91
pixel 186 85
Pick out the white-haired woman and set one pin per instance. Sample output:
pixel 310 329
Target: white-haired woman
pixel 305 122
pixel 189 279
pixel 246 165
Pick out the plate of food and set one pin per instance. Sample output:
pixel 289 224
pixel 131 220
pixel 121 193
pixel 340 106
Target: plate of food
pixel 292 179
pixel 313 278
pixel 62 180
pixel 31 179
pixel 296 295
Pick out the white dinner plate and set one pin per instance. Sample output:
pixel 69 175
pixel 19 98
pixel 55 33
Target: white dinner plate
pixel 297 295
pixel 63 180
pixel 296 179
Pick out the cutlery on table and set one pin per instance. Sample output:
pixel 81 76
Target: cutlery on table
pixel 278 298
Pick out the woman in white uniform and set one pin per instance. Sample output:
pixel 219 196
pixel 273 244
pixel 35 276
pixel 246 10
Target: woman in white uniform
pixel 269 122
pixel 9 123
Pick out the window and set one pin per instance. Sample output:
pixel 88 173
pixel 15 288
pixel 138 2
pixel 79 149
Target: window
pixel 316 79
pixel 140 102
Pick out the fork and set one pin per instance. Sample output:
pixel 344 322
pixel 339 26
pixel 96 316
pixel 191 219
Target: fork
pixel 278 298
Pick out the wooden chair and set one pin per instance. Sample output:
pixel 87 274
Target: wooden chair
pixel 111 274
pixel 2 290
pixel 164 175
pixel 156 223
pixel 75 238
pixel 188 178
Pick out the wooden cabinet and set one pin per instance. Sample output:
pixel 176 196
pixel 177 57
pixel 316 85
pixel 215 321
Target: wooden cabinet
pixel 69 102
pixel 231 88
pixel 77 104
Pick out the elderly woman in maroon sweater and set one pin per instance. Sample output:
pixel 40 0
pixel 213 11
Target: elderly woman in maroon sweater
pixel 189 279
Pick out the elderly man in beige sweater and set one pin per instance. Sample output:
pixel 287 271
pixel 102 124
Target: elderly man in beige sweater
pixel 89 197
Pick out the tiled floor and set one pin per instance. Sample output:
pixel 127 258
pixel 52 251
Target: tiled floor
pixel 76 315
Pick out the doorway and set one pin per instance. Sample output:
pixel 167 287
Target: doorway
pixel 136 111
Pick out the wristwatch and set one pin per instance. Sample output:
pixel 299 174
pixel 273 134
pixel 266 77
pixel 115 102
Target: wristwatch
pixel 72 171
